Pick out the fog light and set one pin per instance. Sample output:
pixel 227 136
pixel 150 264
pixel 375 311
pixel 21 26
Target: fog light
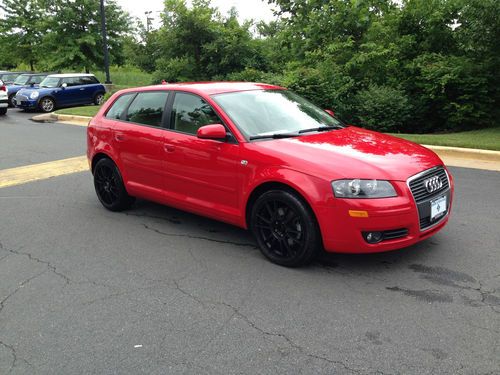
pixel 373 237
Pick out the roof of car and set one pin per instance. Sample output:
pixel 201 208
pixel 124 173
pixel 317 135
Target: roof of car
pixel 210 88
pixel 68 75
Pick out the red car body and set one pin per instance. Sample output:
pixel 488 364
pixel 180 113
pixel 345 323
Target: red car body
pixel 221 179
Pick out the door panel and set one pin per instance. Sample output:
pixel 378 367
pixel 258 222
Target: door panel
pixel 201 173
pixel 140 150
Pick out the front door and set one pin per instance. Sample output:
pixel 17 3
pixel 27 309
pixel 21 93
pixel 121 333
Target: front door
pixel 200 172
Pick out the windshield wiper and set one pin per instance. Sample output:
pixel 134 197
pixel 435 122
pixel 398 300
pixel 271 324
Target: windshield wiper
pixel 274 136
pixel 319 129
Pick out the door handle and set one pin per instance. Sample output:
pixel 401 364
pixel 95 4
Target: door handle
pixel 82 89
pixel 169 148
pixel 119 137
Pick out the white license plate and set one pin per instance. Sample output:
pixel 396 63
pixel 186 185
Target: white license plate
pixel 438 207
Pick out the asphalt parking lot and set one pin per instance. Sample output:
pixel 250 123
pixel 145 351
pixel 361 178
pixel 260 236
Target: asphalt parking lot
pixel 158 291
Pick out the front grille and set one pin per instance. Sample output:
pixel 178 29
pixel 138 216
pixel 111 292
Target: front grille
pixel 21 98
pixel 417 185
pixel 393 234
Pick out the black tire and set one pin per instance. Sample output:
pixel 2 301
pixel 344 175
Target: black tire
pixel 47 105
pixel 99 98
pixel 11 100
pixel 109 186
pixel 285 228
pixel 3 111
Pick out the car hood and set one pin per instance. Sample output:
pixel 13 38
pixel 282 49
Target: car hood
pixel 350 153
pixel 28 91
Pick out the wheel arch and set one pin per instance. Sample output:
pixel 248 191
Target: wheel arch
pixel 97 157
pixel 268 186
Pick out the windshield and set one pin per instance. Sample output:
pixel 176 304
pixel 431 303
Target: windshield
pixel 9 77
pixel 267 112
pixel 22 80
pixel 50 82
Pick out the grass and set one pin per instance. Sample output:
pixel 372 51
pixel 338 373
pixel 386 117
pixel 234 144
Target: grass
pixel 124 77
pixel 487 139
pixel 88 110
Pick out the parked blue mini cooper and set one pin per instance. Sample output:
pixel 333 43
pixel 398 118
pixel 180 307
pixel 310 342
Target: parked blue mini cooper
pixel 24 81
pixel 61 90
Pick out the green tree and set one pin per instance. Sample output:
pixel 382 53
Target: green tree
pixel 73 33
pixel 21 32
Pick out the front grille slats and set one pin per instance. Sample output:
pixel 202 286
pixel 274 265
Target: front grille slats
pixel 422 196
pixel 418 189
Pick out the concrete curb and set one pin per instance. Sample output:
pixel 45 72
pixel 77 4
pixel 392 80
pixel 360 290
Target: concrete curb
pixel 466 153
pixel 55 117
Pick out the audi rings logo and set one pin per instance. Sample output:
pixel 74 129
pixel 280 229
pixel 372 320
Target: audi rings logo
pixel 433 184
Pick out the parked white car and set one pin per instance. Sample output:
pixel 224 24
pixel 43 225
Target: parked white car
pixel 4 98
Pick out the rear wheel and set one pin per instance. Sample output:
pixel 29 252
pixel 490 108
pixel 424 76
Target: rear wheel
pixel 285 228
pixel 99 99
pixel 3 111
pixel 47 105
pixel 109 186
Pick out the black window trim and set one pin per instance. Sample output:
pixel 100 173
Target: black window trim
pixel 134 94
pixel 230 138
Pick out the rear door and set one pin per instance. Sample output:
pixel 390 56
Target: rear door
pixel 138 140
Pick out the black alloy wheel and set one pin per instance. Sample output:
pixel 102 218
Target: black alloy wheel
pixel 285 228
pixel 109 186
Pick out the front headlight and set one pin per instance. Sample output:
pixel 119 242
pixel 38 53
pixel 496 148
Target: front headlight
pixel 34 95
pixel 363 189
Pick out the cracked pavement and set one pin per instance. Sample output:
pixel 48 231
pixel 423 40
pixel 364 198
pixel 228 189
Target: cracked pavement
pixel 158 291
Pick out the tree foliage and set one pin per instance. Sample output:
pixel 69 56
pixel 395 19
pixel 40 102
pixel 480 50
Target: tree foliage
pixel 409 65
pixel 61 34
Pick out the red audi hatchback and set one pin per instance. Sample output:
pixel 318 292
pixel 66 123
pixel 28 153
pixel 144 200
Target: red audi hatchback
pixel 261 157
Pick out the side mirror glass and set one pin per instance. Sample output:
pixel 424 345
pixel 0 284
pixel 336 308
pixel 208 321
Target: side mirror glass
pixel 64 85
pixel 330 112
pixel 215 131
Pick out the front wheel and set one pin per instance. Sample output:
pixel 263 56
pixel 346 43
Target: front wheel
pixel 11 100
pixel 47 105
pixel 285 228
pixel 109 186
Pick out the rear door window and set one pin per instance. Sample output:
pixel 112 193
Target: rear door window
pixel 119 106
pixel 147 108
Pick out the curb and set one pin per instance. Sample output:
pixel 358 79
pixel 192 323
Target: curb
pixel 55 117
pixel 466 153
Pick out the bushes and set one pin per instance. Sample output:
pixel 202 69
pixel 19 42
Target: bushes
pixel 384 109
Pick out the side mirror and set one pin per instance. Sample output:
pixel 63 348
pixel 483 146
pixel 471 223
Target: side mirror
pixel 215 131
pixel 32 84
pixel 330 112
pixel 64 85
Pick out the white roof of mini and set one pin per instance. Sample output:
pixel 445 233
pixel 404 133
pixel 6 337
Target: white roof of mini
pixel 66 75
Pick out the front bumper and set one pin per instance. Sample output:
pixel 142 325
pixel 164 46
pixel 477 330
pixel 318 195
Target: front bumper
pixel 344 234
pixel 25 103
